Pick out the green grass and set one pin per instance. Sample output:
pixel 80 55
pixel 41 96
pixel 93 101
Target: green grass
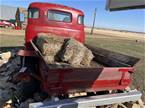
pixel 11 41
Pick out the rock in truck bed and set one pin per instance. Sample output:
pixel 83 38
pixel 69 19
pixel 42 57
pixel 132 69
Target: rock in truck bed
pixel 57 50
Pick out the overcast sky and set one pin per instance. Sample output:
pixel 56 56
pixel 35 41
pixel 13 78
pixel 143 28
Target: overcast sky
pixel 132 20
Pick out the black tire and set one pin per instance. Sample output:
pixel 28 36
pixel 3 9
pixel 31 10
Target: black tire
pixel 26 90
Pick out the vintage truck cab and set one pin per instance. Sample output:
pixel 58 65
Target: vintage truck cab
pixel 53 18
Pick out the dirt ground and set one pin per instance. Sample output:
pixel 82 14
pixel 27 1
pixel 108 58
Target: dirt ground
pixel 129 43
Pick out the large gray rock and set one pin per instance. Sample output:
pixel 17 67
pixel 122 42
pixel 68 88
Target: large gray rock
pixel 76 54
pixel 49 45
pixel 6 55
pixel 3 82
pixel 88 56
pixel 5 95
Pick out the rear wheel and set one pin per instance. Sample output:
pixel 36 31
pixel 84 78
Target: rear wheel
pixel 27 85
pixel 25 90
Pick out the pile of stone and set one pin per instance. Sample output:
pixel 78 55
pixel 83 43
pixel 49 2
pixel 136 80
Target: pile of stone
pixel 75 53
pixel 8 65
pixel 57 49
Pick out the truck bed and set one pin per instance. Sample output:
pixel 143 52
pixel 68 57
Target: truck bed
pixel 109 74
pixel 84 79
pixel 103 58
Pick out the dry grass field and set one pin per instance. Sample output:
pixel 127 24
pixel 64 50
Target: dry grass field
pixel 132 44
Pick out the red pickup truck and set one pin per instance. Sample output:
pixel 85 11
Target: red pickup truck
pixel 6 24
pixel 116 73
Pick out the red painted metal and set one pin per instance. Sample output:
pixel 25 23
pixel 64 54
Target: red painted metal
pixel 63 81
pixel 4 23
pixel 17 28
pixel 42 24
pixel 22 77
pixel 26 53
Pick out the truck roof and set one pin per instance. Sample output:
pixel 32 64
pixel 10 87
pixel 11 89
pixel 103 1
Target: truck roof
pixel 55 6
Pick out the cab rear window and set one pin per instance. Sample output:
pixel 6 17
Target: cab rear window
pixel 59 16
pixel 80 19
pixel 33 13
